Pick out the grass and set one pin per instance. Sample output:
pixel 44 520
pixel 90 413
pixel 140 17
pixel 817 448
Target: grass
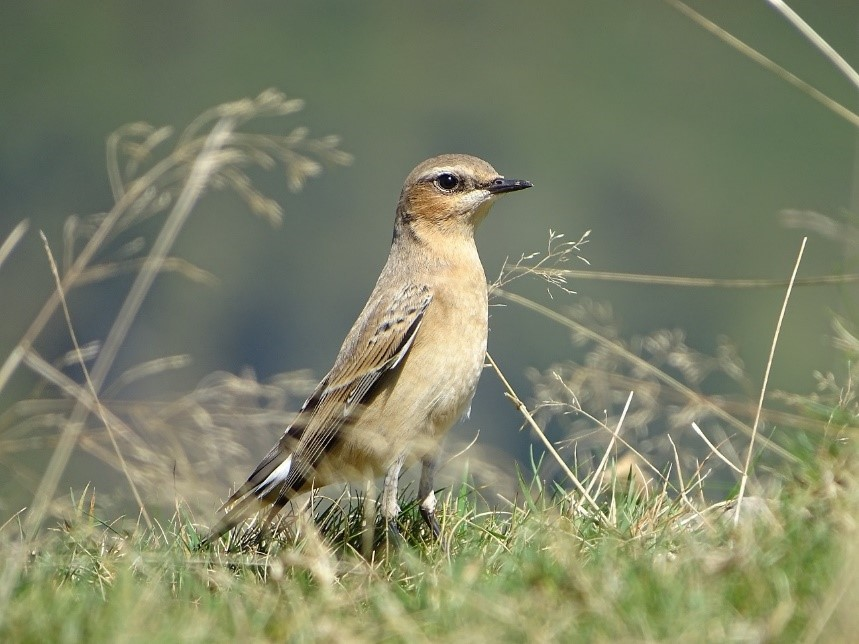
pixel 721 533
pixel 646 568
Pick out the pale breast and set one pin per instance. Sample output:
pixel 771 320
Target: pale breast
pixel 432 387
pixel 453 349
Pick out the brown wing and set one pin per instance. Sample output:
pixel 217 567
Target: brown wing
pixel 377 343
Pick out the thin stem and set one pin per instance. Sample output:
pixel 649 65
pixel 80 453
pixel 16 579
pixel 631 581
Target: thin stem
pixel 744 480
pixel 511 395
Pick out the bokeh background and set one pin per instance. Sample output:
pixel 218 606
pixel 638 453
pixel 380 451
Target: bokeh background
pixel 633 122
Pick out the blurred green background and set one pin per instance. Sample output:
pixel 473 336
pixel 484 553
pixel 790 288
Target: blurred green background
pixel 632 121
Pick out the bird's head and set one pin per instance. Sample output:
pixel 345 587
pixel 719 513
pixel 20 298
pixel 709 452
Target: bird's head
pixel 452 193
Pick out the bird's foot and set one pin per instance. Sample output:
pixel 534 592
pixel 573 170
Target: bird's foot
pixel 431 521
pixel 393 538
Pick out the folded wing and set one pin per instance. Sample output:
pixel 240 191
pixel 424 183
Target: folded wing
pixel 377 344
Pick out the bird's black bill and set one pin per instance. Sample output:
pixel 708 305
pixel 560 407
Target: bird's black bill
pixel 499 186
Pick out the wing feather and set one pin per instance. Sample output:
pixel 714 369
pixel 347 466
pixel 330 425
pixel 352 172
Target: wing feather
pixel 378 343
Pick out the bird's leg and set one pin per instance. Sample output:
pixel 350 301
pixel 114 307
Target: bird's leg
pixel 426 495
pixel 390 507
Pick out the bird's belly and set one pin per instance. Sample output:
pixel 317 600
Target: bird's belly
pixel 446 368
pixel 418 403
pixel 452 397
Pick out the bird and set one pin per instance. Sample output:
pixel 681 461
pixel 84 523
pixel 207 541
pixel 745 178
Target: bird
pixel 408 368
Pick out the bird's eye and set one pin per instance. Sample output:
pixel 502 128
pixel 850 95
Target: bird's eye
pixel 447 181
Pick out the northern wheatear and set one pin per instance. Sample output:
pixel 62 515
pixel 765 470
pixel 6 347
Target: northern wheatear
pixel 408 369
